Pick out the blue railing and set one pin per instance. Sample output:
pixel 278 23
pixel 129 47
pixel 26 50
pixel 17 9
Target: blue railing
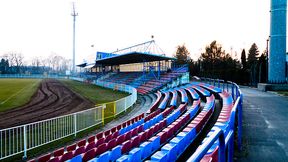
pixel 225 143
pixel 201 151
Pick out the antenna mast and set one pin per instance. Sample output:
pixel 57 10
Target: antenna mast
pixel 74 14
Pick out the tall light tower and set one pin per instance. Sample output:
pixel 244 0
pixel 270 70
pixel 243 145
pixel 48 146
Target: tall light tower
pixel 74 14
pixel 277 52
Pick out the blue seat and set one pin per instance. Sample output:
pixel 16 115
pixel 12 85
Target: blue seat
pixel 193 112
pixel 122 131
pixel 155 143
pixel 115 153
pixel 102 158
pixel 146 149
pixel 161 156
pixel 175 113
pixel 77 158
pixel 146 126
pixel 129 128
pixel 172 151
pixel 191 134
pixel 141 121
pixel 184 135
pixel 179 141
pixel 169 119
pixel 123 158
pixel 135 154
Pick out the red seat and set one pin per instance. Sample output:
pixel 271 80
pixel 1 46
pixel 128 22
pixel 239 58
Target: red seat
pixel 101 149
pixel 156 128
pixel 123 124
pixel 66 156
pixel 108 138
pixel 89 155
pixel 113 129
pixel 111 144
pixel 81 143
pixel 58 152
pixel 143 137
pixel 140 128
pixel 79 151
pixel 126 147
pixel 134 132
pixel 115 135
pixel 213 157
pixel 107 132
pixel 71 147
pixel 99 142
pixel 55 159
pixel 119 127
pixel 150 133
pixel 90 146
pixel 120 139
pixel 128 135
pixel 135 142
pixel 163 137
pixel 99 135
pixel 44 158
pixel 91 139
pixel 128 122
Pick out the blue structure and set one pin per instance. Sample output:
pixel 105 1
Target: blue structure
pixel 277 53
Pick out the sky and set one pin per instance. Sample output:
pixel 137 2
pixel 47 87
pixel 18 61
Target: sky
pixel 42 27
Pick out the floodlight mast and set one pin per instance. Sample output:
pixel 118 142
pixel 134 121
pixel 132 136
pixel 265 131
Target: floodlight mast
pixel 74 14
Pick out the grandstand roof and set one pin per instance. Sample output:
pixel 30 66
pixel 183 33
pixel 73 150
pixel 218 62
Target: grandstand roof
pixel 132 57
pixel 82 65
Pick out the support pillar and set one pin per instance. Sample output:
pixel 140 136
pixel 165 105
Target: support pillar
pixel 277 52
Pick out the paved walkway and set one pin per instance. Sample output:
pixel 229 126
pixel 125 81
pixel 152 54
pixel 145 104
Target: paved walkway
pixel 265 126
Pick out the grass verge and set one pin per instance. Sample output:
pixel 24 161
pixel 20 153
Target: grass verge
pixel 94 93
pixel 284 93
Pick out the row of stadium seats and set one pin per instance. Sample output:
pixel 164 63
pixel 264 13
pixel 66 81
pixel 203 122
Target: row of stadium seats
pixel 156 117
pixel 84 145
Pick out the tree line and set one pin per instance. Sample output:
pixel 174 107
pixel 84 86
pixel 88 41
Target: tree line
pixel 13 63
pixel 215 62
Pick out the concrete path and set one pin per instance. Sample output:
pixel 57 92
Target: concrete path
pixel 265 126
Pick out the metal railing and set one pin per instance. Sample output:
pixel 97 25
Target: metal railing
pixel 237 96
pixel 23 138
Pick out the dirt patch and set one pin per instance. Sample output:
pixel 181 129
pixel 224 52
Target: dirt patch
pixel 52 99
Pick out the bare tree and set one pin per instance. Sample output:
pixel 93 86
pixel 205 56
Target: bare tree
pixel 15 61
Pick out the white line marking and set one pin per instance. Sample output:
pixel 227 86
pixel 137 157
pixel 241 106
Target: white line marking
pixel 18 92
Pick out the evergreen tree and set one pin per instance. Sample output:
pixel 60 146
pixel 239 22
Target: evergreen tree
pixel 252 55
pixel 182 55
pixel 243 59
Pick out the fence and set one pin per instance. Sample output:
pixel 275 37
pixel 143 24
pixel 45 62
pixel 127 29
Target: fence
pixel 40 76
pixel 23 138
pixel 225 144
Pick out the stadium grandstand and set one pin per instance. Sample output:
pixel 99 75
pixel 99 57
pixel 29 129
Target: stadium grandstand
pixel 143 66
pixel 197 120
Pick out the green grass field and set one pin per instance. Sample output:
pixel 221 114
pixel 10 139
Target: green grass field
pixel 16 92
pixel 285 93
pixel 94 93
